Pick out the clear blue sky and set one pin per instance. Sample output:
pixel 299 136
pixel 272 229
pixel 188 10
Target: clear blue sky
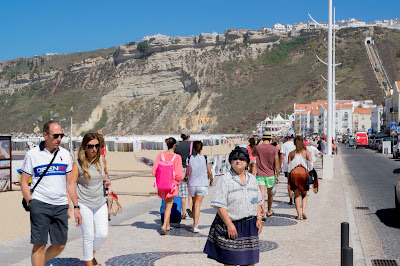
pixel 36 27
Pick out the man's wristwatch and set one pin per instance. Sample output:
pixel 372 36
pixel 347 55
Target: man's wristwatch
pixel 76 207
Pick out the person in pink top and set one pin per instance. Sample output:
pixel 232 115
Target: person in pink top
pixel 168 196
pixel 252 164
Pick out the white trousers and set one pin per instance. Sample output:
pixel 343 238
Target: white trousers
pixel 93 220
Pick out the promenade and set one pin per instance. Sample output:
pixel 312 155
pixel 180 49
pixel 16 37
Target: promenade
pixel 134 235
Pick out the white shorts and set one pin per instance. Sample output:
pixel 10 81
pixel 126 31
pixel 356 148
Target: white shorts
pixel 201 191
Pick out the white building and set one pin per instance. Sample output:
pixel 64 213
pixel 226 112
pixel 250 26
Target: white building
pixel 279 27
pixel 351 23
pixel 299 26
pixel 278 126
pixel 376 118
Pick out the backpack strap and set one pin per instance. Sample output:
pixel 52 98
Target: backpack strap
pixel 173 158
pixel 188 159
pixel 191 147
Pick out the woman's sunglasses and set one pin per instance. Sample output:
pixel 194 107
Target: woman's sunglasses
pixel 91 146
pixel 240 159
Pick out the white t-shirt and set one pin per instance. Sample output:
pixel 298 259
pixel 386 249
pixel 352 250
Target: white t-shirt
pixel 52 189
pixel 314 153
pixel 198 175
pixel 287 147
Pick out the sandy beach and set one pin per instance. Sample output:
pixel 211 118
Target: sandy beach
pixel 136 179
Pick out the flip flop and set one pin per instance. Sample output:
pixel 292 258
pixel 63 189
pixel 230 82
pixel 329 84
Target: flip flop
pixel 189 212
pixel 304 216
pixel 162 232
pixel 269 215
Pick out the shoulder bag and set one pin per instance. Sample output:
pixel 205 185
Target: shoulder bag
pixel 310 178
pixel 24 203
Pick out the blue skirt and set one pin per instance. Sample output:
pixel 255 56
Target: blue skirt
pixel 243 250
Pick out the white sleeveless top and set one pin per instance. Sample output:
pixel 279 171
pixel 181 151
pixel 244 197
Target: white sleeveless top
pixel 300 160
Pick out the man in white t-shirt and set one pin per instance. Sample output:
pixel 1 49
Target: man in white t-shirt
pixel 287 147
pixel 48 203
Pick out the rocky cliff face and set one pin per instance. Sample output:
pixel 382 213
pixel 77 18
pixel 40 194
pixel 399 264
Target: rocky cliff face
pixel 225 82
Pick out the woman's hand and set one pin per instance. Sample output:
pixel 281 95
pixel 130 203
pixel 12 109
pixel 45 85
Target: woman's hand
pixel 259 225
pixel 232 233
pixel 107 182
pixel 211 182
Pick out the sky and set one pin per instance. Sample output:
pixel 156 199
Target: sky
pixel 37 27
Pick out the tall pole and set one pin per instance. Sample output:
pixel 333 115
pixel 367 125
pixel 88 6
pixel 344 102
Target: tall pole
pixel 330 103
pixel 70 135
pixel 334 75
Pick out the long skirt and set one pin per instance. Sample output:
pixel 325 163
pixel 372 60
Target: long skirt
pixel 243 250
pixel 298 179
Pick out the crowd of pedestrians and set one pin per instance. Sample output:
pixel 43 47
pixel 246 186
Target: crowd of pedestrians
pixel 182 174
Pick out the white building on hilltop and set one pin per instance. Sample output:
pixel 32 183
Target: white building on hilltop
pixel 278 126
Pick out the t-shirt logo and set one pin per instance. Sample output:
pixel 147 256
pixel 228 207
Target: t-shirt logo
pixel 55 169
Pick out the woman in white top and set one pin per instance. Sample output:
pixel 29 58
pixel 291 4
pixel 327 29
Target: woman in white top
pixel 89 174
pixel 299 164
pixel 199 171
pixel 233 237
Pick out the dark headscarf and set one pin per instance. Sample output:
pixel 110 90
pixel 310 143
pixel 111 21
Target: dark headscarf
pixel 239 152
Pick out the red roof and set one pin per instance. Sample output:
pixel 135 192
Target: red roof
pixel 362 110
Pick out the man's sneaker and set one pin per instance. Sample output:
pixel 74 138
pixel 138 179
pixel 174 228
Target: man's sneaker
pixel 196 230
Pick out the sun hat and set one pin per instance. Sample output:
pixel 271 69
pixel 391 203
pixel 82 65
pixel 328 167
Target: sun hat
pixel 267 135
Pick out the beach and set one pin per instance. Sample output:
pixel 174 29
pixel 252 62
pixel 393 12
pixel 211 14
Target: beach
pixel 129 175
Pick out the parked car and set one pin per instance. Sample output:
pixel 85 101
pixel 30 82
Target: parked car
pixel 370 143
pixel 376 144
pixel 397 194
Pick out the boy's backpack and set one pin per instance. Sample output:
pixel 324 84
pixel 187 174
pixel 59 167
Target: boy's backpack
pixel 165 174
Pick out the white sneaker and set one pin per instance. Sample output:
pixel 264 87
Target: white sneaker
pixel 196 230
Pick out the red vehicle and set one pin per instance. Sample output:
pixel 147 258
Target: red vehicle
pixel 361 139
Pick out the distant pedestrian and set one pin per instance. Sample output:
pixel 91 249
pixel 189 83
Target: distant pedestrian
pixel 298 167
pixel 199 178
pixel 287 147
pixel 233 236
pixel 184 148
pixel 268 168
pixel 168 195
pixel 89 173
pixel 48 203
pixel 314 154
pixel 253 160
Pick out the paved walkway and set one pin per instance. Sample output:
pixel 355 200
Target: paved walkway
pixel 134 238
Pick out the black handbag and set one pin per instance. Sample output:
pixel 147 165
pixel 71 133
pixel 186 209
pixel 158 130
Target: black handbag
pixel 310 178
pixel 24 203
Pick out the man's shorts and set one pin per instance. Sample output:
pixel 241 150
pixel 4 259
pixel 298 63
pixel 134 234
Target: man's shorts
pixel 267 181
pixel 201 191
pixel 48 219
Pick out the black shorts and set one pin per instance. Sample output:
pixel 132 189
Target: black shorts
pixel 286 174
pixel 48 219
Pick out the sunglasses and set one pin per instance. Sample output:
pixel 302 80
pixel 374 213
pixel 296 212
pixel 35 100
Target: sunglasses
pixel 240 159
pixel 55 136
pixel 91 146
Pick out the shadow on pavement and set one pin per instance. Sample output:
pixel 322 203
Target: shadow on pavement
pixel 396 171
pixel 150 258
pixel 65 261
pixel 389 217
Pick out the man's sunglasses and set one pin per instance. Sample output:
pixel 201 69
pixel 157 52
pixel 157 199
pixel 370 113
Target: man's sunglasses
pixel 240 159
pixel 91 146
pixel 55 136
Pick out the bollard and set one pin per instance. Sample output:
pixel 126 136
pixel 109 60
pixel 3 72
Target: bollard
pixel 344 239
pixel 347 256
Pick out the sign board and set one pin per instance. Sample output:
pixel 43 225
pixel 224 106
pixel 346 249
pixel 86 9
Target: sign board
pixel 369 130
pixel 5 163
pixel 398 129
pixel 393 126
pixel 393 133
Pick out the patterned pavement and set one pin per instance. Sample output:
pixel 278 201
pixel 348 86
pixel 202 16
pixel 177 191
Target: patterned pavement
pixel 134 235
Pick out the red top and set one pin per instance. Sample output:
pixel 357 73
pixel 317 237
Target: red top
pixel 266 159
pixel 252 158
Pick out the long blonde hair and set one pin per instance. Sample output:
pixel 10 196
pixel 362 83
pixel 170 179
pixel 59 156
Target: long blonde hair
pixel 82 158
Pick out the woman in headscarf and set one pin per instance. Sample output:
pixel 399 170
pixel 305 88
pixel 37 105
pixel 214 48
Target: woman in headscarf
pixel 233 236
pixel 299 164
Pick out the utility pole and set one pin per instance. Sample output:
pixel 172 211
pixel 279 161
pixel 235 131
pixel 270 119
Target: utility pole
pixel 334 75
